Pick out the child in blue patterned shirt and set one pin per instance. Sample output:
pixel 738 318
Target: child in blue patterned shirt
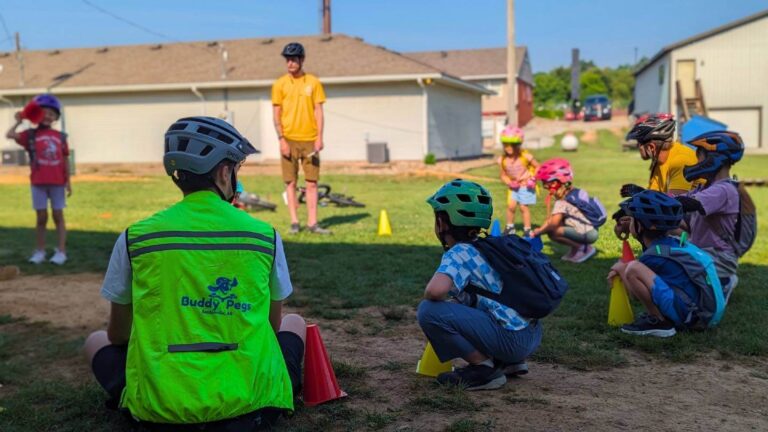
pixel 493 338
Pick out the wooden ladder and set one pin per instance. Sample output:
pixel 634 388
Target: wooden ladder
pixel 690 105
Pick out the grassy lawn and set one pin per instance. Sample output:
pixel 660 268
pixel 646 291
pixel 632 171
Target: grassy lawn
pixel 336 276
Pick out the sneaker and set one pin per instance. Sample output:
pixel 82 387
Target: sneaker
pixel 37 257
pixel 568 256
pixel 516 369
pixel 583 255
pixel 509 230
pixel 58 258
pixel 317 229
pixel 649 325
pixel 474 377
pixel 295 228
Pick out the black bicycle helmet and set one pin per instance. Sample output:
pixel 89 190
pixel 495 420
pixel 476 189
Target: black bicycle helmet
pixel 293 49
pixel 654 127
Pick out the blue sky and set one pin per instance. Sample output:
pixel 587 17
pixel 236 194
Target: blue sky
pixel 607 31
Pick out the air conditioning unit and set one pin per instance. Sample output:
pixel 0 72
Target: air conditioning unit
pixel 14 157
pixel 378 152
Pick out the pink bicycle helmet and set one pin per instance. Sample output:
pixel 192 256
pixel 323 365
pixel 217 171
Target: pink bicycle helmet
pixel 557 169
pixel 512 135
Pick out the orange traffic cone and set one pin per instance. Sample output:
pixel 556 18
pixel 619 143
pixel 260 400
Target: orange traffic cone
pixel 626 252
pixel 320 384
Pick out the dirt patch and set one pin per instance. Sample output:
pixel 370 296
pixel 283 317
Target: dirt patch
pixel 710 394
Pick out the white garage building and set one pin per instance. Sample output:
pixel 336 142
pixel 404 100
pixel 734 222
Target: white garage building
pixel 728 65
pixel 120 99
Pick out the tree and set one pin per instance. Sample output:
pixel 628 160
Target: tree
pixel 593 82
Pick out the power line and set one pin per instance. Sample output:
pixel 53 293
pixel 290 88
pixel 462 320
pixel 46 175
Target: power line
pixel 5 28
pixel 129 22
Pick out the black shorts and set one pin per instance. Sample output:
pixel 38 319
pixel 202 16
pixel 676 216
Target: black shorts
pixel 109 367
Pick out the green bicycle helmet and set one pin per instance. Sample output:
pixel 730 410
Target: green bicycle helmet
pixel 466 203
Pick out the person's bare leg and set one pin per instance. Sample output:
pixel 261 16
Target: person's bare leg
pixel 475 357
pixel 95 341
pixel 295 324
pixel 511 212
pixel 61 229
pixel 311 203
pixel 639 282
pixel 42 222
pixel 526 212
pixel 293 204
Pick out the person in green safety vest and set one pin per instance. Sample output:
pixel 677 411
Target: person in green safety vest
pixel 196 334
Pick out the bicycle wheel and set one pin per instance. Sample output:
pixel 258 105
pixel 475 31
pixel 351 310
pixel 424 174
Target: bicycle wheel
pixel 344 201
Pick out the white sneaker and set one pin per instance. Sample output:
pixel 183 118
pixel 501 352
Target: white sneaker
pixel 37 257
pixel 58 258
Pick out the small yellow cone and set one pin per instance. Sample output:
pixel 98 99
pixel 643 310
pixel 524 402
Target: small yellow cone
pixel 430 365
pixel 619 310
pixel 384 227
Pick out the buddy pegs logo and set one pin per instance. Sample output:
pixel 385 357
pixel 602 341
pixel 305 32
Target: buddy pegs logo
pixel 221 300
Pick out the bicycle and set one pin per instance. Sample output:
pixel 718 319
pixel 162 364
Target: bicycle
pixel 251 201
pixel 325 197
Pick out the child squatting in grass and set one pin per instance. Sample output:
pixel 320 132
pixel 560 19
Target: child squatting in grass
pixel 493 338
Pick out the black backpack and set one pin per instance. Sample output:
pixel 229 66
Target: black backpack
pixel 531 285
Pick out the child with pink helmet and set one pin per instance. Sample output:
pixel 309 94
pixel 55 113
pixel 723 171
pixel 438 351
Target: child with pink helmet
pixel 568 224
pixel 518 169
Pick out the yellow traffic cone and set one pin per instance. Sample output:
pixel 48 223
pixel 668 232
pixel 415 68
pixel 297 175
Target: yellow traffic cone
pixel 384 227
pixel 430 365
pixel 619 310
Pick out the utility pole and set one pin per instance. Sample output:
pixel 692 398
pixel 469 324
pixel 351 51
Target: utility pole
pixel 20 59
pixel 511 65
pixel 326 14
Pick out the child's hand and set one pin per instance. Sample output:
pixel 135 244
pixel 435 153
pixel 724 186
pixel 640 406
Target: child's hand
pixel 514 185
pixel 68 188
pixel 17 116
pixel 617 269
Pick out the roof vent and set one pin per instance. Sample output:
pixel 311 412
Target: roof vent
pixel 443 54
pixel 54 52
pixel 213 44
pixel 326 38
pixel 156 47
pixel 102 50
pixel 267 41
pixel 359 38
pixel 5 54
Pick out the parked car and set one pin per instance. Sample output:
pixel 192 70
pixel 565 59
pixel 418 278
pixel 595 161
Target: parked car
pixel 597 107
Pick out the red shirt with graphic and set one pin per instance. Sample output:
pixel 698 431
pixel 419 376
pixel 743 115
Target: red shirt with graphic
pixel 51 153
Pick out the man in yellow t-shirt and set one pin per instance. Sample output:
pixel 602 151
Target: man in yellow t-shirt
pixel 654 135
pixel 297 102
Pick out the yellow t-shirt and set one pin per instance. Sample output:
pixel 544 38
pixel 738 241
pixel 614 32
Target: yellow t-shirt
pixel 669 175
pixel 297 97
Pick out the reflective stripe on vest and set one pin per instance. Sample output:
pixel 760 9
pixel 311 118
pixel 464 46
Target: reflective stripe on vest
pixel 201 347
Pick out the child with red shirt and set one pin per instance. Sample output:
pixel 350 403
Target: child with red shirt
pixel 48 153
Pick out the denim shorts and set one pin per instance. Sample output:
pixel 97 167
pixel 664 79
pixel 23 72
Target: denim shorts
pixel 523 196
pixel 42 193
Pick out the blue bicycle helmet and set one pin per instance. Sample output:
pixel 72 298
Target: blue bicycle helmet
pixel 48 100
pixel 654 210
pixel 722 147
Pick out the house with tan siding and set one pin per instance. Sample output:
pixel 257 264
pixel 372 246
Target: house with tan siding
pixel 727 65
pixel 488 67
pixel 118 100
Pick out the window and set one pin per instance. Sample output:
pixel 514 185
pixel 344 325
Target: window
pixel 495 86
pixel 487 128
pixel 661 74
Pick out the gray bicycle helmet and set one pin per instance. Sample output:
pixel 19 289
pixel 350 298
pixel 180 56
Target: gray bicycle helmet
pixel 198 144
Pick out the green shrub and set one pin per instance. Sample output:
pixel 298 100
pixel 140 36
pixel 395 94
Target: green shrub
pixel 430 159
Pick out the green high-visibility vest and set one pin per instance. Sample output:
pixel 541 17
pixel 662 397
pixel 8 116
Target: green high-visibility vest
pixel 201 347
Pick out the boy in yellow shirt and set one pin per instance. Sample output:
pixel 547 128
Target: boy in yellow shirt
pixel 297 101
